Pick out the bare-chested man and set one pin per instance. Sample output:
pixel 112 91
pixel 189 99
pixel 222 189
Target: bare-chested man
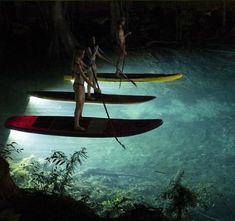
pixel 121 44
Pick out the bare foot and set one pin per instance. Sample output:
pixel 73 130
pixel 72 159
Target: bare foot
pixel 118 74
pixel 79 128
pixel 90 98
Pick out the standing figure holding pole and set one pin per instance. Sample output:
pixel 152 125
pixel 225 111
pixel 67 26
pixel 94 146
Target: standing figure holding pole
pixel 79 69
pixel 91 52
pixel 121 45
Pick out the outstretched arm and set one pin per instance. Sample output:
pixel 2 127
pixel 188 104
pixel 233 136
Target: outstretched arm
pixel 129 33
pixel 103 57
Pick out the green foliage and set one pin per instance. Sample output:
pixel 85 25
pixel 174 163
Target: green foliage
pixel 55 175
pixel 115 202
pixel 7 150
pixel 178 198
pixel 114 205
pixel 21 171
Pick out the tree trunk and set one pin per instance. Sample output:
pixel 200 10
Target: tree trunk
pixel 8 189
pixel 114 16
pixel 224 16
pixel 178 25
pixel 124 11
pixel 63 42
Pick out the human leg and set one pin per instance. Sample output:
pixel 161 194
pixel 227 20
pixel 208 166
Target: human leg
pixel 80 99
pixel 120 60
pixel 92 79
pixel 89 75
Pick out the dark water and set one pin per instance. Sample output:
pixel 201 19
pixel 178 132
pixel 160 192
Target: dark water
pixel 197 135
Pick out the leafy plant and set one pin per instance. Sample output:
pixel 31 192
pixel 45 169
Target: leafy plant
pixel 55 175
pixel 7 150
pixel 114 205
pixel 178 198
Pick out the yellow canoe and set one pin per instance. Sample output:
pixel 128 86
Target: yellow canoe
pixel 146 77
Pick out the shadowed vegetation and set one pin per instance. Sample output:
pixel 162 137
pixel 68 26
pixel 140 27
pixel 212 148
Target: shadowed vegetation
pixel 49 193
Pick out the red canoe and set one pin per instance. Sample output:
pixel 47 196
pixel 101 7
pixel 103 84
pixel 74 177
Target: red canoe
pixel 95 127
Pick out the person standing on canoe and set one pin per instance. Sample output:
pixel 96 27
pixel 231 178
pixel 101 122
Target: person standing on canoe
pixel 121 44
pixel 79 69
pixel 89 59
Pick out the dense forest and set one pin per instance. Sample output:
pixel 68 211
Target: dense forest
pixel 54 28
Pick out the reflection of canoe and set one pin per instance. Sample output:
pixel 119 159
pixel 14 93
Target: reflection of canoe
pixel 95 127
pixel 147 77
pixel 108 98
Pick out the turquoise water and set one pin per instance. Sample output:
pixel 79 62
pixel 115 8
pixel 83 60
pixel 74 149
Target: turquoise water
pixel 197 135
